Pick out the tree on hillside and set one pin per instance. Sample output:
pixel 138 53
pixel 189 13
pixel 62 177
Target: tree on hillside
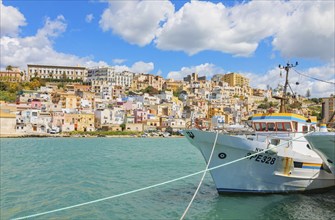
pixel 308 93
pixel 151 90
pixel 50 76
pixel 9 68
pixel 123 126
pixel 64 76
pixel 178 91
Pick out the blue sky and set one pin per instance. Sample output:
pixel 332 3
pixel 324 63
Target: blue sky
pixel 176 38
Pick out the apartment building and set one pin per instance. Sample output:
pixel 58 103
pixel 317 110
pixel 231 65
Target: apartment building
pixel 235 79
pixel 109 74
pixel 57 72
pixel 142 81
pixel 172 85
pixel 12 75
pixel 328 109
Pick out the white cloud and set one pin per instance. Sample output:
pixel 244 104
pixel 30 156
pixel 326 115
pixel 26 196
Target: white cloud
pixel 11 20
pixel 200 26
pixel 301 29
pixel 206 69
pixel 38 49
pixel 89 18
pixel 303 77
pixel 119 61
pixel 308 31
pixel 138 67
pixel 142 67
pixel 136 21
pixel 298 28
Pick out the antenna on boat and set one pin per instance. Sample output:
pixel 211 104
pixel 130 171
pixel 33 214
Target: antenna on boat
pixel 283 99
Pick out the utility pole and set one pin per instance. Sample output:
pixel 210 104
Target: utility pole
pixel 283 99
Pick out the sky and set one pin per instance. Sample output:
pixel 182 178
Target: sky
pixel 176 38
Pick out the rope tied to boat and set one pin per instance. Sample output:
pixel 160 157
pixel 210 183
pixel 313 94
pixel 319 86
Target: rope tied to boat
pixel 156 185
pixel 202 178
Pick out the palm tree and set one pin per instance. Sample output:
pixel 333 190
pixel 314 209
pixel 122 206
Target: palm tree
pixel 21 74
pixel 9 68
pixel 50 76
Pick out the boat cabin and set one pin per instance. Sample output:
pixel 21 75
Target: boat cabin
pixel 282 122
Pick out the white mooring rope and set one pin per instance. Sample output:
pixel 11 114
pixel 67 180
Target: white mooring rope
pixel 155 185
pixel 202 178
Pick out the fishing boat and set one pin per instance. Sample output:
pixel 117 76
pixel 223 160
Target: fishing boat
pixel 275 158
pixel 323 143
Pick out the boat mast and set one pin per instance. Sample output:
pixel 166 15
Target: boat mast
pixel 283 99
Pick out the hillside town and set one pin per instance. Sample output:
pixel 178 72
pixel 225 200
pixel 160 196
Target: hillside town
pixel 72 98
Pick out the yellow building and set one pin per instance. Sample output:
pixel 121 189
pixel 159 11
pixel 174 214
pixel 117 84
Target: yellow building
pixel 153 122
pixel 85 122
pixel 70 101
pixel 7 122
pixel 235 79
pixel 328 109
pixel 78 122
pixel 142 81
pixel 215 111
pixel 172 85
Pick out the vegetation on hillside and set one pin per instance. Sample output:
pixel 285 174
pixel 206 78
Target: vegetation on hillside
pixel 151 90
pixel 10 90
pixel 266 104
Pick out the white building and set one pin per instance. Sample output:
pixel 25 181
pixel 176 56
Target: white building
pixel 146 99
pixel 165 96
pixel 57 72
pixel 109 117
pixel 108 74
pixel 33 121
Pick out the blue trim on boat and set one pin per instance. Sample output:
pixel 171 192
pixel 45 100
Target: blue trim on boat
pixel 278 117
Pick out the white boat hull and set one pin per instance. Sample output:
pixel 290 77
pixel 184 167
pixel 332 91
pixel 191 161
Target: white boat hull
pixel 324 144
pixel 264 173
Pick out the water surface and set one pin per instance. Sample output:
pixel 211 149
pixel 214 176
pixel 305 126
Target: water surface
pixel 43 174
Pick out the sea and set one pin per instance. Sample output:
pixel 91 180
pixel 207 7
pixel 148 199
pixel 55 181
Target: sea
pixel 39 175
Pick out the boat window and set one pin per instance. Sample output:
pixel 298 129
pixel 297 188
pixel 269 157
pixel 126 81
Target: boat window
pixel 260 126
pixel 287 126
pixel 257 126
pixel 271 126
pixel 280 126
pixel 304 129
pixel 283 126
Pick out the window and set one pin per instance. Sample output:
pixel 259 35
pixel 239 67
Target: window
pixel 260 126
pixel 284 126
pixel 287 126
pixel 271 126
pixel 280 126
pixel 304 129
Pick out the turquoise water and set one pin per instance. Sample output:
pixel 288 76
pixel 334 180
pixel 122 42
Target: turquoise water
pixel 43 174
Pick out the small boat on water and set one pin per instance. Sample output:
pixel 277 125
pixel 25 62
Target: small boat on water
pixel 292 157
pixel 323 143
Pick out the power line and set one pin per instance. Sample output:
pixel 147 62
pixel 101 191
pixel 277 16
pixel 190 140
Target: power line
pixel 313 77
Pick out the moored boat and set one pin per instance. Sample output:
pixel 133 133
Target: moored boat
pixel 292 166
pixel 323 143
pixel 277 156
